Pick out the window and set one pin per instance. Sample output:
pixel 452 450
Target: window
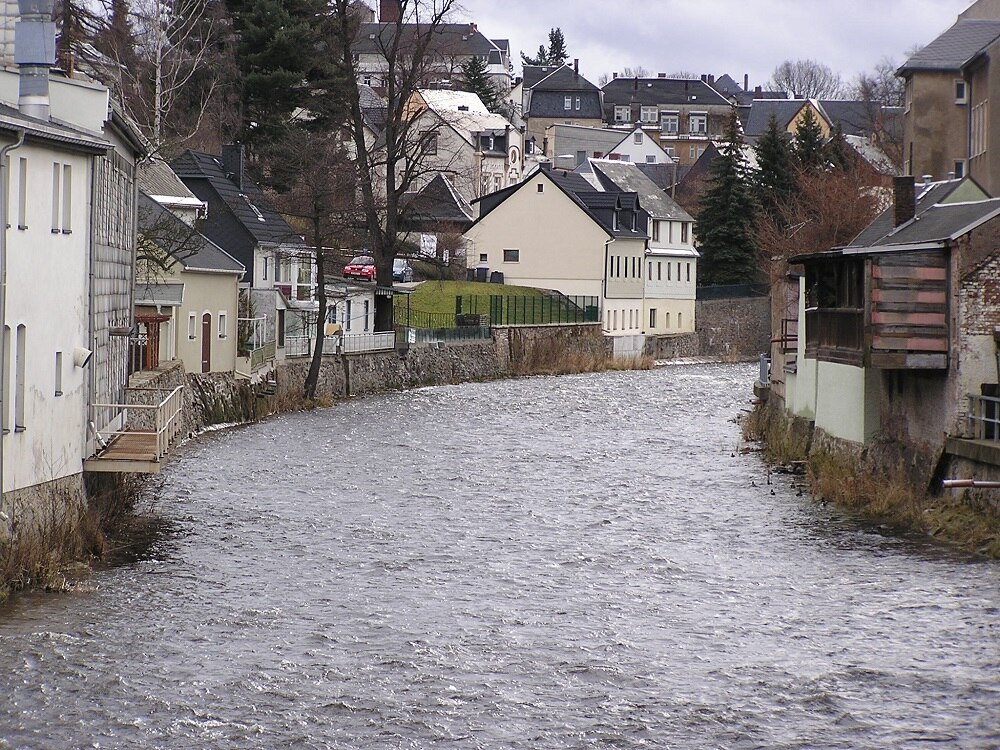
pixel 430 143
pixel 656 230
pixel 22 196
pixel 622 114
pixel 698 124
pixel 631 323
pixel 679 323
pixel 58 379
pixel 367 305
pixel 614 319
pixel 670 226
pixel 497 183
pixel 222 324
pixel 614 220
pixel 67 206
pixel 692 153
pixel 511 256
pixel 192 326
pixel 978 128
pixel 701 150
pixel 669 122
pixel 652 317
pixel 666 320
pixel 263 269
pixel 688 272
pixel 5 385
pixel 651 158
pixel 684 231
pixel 21 350
pixel 577 103
pixel 637 138
pixel 649 271
pixel 659 270
pixel 581 157
pixel 568 102
pixel 648 114
pixel 56 195
pixel 961 92
pixel 483 258
pixel 541 187
pixel 668 271
pixel 959 168
pixel 347 316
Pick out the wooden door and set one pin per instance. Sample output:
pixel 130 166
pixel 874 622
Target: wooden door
pixel 206 342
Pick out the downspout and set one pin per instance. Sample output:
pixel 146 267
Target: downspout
pixel 604 290
pixel 4 211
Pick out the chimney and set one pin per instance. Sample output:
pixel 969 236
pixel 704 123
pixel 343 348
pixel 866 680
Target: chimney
pixel 614 76
pixel 473 28
pixel 904 200
pixel 704 78
pixel 711 79
pixel 576 65
pixel 661 75
pixel 35 54
pixel 232 163
pixel 746 81
pixel 390 11
pixel 758 92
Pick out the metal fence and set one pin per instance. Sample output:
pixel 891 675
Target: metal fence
pixel 348 343
pixel 984 418
pixel 518 310
pixel 431 336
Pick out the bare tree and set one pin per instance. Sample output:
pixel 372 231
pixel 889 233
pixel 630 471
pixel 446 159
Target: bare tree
pixel 389 166
pixel 161 52
pixel 807 79
pixel 883 94
pixel 881 85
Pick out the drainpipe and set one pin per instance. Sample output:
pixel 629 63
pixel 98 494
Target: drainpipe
pixel 4 211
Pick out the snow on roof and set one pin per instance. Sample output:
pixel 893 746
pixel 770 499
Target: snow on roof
pixel 463 110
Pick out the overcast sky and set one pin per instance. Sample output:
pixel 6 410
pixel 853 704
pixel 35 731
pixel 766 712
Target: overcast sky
pixel 718 36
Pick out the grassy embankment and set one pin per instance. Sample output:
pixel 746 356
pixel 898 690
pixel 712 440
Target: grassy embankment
pixel 551 357
pixel 879 493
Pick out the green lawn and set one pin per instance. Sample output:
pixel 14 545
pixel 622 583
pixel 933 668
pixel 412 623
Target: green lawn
pixel 439 296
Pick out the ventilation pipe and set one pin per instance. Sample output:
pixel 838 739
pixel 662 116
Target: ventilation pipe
pixel 35 54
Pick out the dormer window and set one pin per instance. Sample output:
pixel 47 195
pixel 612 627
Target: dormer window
pixel 614 220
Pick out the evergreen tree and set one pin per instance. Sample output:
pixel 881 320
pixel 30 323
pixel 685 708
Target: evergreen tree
pixel 476 81
pixel 835 151
pixel 725 224
pixel 775 179
pixel 555 54
pixel 808 148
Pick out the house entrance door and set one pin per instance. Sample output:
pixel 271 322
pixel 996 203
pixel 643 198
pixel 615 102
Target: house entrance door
pixel 206 342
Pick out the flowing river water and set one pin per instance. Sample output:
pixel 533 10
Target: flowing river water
pixel 574 562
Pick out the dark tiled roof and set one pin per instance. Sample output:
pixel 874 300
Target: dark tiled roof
pixel 726 86
pixel 926 197
pixel 248 205
pixel 450 39
pixel 563 78
pixel 189 248
pixel 629 178
pixel 532 74
pixel 855 118
pixel 784 110
pixel 955 47
pixel 437 202
pixel 552 104
pixel 601 206
pixel 668 91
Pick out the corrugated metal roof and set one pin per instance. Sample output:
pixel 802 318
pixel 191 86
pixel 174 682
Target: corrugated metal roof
pixel 167 295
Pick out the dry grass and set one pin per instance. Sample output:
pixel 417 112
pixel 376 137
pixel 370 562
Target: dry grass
pixel 781 441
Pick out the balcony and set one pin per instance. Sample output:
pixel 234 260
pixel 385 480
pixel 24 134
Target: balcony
pixel 835 335
pixel 147 433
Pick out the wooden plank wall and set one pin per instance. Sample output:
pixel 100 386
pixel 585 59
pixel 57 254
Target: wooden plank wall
pixel 909 310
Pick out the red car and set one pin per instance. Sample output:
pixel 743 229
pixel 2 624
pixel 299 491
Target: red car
pixel 361 267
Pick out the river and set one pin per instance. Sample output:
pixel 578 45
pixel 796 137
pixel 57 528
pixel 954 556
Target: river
pixel 576 562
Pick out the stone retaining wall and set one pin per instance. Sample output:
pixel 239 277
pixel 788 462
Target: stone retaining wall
pixel 733 328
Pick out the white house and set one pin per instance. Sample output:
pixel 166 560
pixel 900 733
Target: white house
pixel 639 147
pixel 671 261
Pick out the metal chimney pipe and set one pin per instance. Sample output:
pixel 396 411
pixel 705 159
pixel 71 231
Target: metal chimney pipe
pixel 35 54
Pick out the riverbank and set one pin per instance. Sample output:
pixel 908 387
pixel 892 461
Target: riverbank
pixel 93 521
pixel 867 481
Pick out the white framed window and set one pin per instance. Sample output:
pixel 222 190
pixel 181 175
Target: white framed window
pixel 651 158
pixel 698 124
pixel 669 123
pixel 367 311
pixel 58 373
pixel 511 256
pixel 689 273
pixel 430 143
pixel 263 270
pixel 222 324
pixel 961 92
pixel 56 196
pixel 568 102
pixel 20 371
pixel 652 317
pixel 577 102
pixel 649 271
pixel 655 232
pixel 622 113
pixel 684 231
pixel 22 195
pixel 637 137
pixel 666 319
pixel 659 270
pixel 692 153
pixel 67 199
pixel 959 168
pixel 192 326
pixel 979 127
pixel 483 258
pixel 648 114
pixel 348 316
pixel 680 324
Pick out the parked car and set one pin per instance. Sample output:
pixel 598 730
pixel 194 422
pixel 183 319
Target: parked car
pixel 360 267
pixel 402 270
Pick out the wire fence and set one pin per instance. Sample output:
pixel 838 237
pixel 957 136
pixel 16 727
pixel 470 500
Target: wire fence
pixel 533 310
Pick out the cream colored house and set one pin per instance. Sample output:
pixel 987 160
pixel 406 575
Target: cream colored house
pixel 186 296
pixel 555 231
